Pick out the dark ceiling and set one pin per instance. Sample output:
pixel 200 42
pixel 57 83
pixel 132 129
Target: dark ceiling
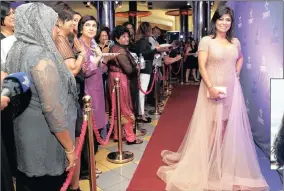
pixel 166 4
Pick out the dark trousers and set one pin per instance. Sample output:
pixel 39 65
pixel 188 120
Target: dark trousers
pixel 8 151
pixel 6 173
pixel 7 130
pixel 42 183
pixel 151 95
pixel 134 91
pixel 85 156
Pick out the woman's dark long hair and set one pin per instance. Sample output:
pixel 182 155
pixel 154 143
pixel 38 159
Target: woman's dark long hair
pixel 222 10
pixel 143 29
pixel 278 149
pixel 82 21
pixel 64 11
pixel 5 9
pixel 118 31
pixel 190 43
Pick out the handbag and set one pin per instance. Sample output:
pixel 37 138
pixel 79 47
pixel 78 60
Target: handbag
pixel 219 88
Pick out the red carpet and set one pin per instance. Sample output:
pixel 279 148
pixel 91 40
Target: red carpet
pixel 168 135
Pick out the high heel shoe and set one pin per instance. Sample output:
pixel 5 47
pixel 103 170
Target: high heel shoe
pixel 137 141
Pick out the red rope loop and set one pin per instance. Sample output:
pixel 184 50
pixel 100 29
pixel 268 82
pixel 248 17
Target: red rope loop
pixel 96 131
pixel 152 85
pixel 78 155
pixel 82 140
pixel 175 73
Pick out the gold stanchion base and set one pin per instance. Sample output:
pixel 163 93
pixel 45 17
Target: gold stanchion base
pixel 116 158
pixel 154 112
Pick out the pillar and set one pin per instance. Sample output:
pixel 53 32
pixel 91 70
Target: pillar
pixel 106 14
pixel 183 23
pixel 132 17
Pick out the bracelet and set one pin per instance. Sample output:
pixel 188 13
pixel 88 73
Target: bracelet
pixel 69 152
pixel 210 87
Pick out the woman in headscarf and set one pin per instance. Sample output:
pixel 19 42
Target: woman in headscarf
pixel 44 131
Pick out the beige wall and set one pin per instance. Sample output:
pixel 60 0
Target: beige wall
pixel 190 23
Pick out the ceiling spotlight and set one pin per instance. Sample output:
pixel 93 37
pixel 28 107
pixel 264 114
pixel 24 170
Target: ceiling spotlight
pixel 116 2
pixel 188 3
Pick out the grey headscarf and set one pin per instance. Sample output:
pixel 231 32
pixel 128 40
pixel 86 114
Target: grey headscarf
pixel 33 26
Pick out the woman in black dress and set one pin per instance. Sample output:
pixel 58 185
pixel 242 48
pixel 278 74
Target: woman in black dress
pixel 190 60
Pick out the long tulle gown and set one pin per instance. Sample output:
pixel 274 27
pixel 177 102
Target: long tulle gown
pixel 212 157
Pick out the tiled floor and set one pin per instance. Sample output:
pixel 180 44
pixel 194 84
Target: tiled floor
pixel 116 177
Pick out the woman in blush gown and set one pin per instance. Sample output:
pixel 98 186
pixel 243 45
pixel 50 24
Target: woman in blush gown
pixel 218 152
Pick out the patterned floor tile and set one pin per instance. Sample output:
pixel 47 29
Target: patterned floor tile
pixel 119 187
pixel 136 147
pixel 150 131
pixel 102 167
pixel 126 171
pixel 147 138
pixel 110 165
pixel 111 143
pixel 108 179
pixel 154 122
pixel 85 186
pixel 102 154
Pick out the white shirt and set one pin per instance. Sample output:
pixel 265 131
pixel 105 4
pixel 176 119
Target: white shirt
pixel 6 45
pixel 158 57
pixel 153 42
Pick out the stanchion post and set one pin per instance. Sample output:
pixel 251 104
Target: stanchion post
pixel 170 73
pixel 90 142
pixel 119 157
pixel 167 81
pixel 181 70
pixel 160 94
pixel 156 110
